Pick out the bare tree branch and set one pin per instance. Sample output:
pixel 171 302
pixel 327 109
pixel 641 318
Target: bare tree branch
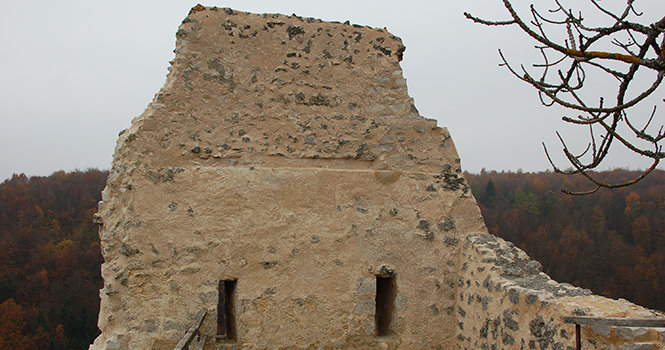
pixel 574 54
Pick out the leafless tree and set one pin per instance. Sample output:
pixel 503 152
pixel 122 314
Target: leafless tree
pixel 567 63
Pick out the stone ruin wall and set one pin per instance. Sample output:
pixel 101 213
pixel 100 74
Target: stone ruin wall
pixel 285 153
pixel 505 301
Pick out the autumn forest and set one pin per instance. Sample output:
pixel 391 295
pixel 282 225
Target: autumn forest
pixel 49 260
pixel 612 242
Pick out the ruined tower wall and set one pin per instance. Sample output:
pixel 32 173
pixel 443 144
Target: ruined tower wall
pixel 284 154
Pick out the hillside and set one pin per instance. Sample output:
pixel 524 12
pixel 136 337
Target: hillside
pixel 49 260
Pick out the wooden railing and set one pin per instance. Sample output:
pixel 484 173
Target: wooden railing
pixel 192 332
pixel 610 321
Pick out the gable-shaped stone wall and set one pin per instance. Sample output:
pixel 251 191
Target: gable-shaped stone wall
pixel 283 154
pixel 285 161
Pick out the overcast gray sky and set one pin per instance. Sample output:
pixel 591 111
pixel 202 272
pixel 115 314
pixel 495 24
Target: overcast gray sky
pixel 73 73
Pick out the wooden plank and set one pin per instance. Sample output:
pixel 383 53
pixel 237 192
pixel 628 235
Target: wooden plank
pixel 615 321
pixel 202 343
pixel 187 339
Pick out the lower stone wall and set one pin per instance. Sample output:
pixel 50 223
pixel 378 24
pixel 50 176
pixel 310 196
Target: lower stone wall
pixel 505 301
pixel 305 247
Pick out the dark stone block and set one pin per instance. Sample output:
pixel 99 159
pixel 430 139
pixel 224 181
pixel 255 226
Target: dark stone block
pixel 514 296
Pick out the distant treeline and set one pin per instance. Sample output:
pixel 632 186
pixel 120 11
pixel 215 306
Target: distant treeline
pixel 50 260
pixel 612 242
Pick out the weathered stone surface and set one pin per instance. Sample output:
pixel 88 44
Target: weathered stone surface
pixel 630 333
pixel 638 346
pixel 284 159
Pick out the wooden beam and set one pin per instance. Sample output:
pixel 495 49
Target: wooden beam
pixel 615 321
pixel 202 343
pixel 609 321
pixel 187 339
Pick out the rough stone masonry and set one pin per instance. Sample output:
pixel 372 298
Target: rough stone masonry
pixel 283 180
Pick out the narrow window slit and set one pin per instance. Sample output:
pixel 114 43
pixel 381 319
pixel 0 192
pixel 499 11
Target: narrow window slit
pixel 386 290
pixel 226 324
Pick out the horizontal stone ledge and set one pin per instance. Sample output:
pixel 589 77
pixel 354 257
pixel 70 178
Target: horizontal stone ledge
pixel 615 321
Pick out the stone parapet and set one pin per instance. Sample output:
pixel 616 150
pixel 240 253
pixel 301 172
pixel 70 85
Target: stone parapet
pixel 505 301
